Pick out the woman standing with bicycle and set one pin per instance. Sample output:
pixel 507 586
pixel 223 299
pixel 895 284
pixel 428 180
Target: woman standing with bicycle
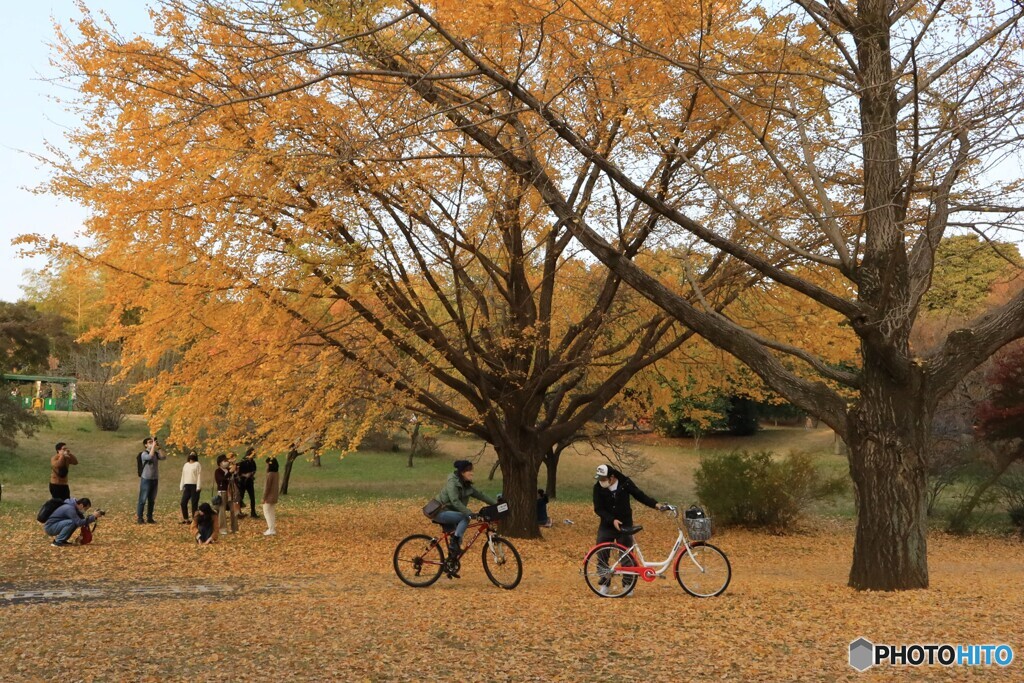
pixel 612 492
pixel 456 493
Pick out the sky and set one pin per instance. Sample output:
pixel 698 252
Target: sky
pixel 29 117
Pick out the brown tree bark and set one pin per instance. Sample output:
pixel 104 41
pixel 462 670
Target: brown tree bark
pixel 292 456
pixel 519 484
pixel 889 432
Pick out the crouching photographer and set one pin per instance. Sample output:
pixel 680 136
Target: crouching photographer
pixel 63 521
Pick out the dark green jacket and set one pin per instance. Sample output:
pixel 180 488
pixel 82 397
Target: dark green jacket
pixel 456 493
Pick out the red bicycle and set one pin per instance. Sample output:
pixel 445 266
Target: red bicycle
pixel 420 559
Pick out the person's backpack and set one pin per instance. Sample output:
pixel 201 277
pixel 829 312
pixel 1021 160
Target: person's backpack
pixel 138 461
pixel 49 507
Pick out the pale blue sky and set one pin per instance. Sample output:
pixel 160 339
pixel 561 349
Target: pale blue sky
pixel 28 117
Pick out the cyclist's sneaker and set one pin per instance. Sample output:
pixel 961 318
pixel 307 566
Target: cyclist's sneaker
pixel 452 568
pixel 605 587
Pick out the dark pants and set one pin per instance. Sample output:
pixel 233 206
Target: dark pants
pixel 248 486
pixel 606 535
pixel 542 511
pixel 147 495
pixel 189 493
pixel 62 491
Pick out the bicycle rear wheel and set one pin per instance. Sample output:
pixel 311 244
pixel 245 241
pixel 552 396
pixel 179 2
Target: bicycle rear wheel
pixel 502 563
pixel 704 572
pixel 418 560
pixel 600 569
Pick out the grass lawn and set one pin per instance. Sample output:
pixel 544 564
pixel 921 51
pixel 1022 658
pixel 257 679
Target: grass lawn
pixel 107 465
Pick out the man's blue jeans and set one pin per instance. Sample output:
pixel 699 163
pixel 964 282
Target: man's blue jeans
pixel 459 519
pixel 61 528
pixel 147 494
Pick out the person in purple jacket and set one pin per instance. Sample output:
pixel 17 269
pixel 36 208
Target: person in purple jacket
pixel 68 517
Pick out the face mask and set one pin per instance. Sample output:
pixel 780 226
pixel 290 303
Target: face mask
pixel 605 483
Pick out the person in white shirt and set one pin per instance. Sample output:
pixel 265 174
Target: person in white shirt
pixel 190 485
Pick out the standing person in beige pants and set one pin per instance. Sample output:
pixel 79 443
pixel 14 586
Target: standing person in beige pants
pixel 270 490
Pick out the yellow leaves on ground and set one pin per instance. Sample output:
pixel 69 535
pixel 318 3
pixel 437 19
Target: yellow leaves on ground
pixel 320 601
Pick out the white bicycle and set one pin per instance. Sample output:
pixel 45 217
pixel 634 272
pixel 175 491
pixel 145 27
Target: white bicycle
pixel 612 570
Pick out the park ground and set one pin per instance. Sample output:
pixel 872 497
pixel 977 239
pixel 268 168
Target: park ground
pixel 320 601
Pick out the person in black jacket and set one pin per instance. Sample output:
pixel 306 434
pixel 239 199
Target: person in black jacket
pixel 247 481
pixel 612 492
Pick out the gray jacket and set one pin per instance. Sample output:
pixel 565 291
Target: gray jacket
pixel 151 463
pixel 69 511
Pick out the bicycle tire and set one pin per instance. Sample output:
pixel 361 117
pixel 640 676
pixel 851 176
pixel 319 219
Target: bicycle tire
pixel 418 560
pixel 618 585
pixel 712 576
pixel 498 557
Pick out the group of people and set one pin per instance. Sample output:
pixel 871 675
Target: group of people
pixel 233 481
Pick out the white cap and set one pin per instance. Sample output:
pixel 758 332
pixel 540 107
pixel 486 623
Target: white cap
pixel 602 471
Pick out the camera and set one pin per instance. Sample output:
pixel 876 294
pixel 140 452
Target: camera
pixel 100 513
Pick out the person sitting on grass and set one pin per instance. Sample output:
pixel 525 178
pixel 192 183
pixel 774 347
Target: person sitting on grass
pixel 63 521
pixel 542 508
pixel 204 524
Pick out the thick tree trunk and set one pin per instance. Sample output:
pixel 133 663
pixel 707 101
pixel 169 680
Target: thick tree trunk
pixel 292 455
pixel 551 465
pixel 887 439
pixel 519 475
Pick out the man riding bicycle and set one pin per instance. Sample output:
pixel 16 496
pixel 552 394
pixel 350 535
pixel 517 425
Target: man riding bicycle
pixel 456 493
pixel 612 492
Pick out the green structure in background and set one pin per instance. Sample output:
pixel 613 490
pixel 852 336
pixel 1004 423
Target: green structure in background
pixel 36 400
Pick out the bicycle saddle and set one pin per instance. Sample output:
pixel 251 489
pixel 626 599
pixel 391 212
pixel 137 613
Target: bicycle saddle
pixel 630 530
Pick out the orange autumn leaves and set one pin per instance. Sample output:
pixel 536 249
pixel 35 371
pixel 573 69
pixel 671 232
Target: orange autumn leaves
pixel 320 601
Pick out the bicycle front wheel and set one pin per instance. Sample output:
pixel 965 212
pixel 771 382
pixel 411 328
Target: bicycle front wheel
pixel 601 570
pixel 502 563
pixel 704 572
pixel 418 560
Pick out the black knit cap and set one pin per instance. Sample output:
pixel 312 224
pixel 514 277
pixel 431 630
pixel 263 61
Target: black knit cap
pixel 463 465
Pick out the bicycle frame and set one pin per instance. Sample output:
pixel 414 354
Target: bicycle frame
pixel 480 527
pixel 649 571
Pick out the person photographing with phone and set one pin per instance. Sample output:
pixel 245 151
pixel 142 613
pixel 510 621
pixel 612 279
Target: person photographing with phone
pixel 59 464
pixel 150 457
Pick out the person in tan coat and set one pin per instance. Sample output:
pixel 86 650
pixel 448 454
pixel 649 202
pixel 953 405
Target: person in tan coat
pixel 270 489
